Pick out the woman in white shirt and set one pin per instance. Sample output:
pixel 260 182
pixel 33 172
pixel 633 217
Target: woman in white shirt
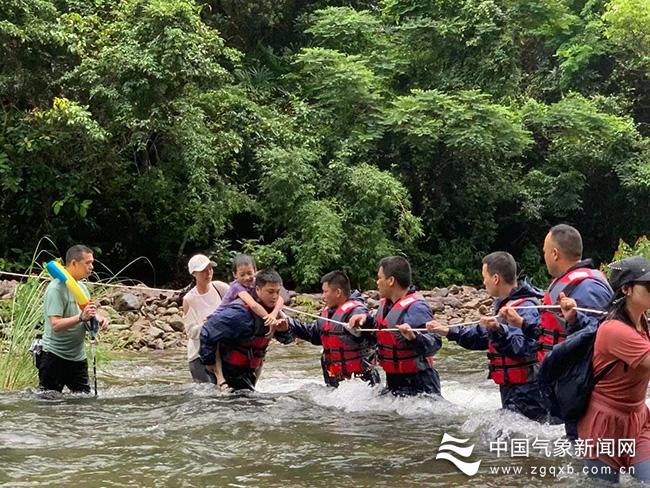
pixel 198 304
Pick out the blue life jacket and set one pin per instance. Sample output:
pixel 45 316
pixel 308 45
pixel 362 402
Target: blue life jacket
pixel 566 377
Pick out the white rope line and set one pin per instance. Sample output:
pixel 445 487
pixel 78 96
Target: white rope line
pixel 555 307
pixel 294 310
pixel 474 322
pixel 94 283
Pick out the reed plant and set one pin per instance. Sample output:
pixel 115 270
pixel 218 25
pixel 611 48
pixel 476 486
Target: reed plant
pixel 20 321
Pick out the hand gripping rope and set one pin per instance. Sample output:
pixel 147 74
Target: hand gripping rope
pixel 540 307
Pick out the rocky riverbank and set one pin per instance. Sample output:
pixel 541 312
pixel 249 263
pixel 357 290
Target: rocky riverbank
pixel 143 319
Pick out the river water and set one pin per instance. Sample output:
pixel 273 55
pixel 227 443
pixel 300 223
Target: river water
pixel 151 427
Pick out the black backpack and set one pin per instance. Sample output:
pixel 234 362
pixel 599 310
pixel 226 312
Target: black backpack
pixel 566 378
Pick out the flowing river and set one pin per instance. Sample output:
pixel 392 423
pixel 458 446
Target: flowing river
pixel 151 427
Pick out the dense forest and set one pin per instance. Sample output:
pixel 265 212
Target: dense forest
pixel 323 134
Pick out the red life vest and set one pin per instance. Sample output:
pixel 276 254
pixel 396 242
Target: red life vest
pixel 395 355
pixel 505 370
pixel 553 325
pixel 251 353
pixel 342 354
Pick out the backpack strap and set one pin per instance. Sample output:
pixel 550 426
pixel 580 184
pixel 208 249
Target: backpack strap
pixel 604 371
pixel 217 290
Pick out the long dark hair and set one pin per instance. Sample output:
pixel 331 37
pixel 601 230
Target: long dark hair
pixel 618 311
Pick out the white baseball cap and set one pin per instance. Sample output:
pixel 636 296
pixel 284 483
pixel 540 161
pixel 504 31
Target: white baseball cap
pixel 199 263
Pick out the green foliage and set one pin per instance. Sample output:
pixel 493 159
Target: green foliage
pixel 628 22
pixel 640 248
pixel 344 29
pixel 319 135
pixel 17 331
pixel 306 304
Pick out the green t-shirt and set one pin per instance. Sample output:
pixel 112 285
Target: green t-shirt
pixel 59 302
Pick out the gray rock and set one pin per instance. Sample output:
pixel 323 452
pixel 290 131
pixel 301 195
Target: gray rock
pixel 7 289
pixel 176 322
pixel 128 301
pixel 172 311
pixel 441 292
pixel 473 303
pixel 141 324
pixel 437 304
pixel 118 327
pixel 372 303
pixel 452 302
pixel 374 294
pixel 111 313
pixel 154 332
pixel 470 290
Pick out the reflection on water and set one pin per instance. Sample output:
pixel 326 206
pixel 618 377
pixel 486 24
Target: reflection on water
pixel 151 427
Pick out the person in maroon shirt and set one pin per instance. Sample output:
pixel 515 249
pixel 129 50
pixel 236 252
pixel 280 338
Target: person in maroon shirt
pixel 617 408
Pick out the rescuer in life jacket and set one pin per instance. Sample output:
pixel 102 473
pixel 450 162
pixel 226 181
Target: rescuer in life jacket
pixel 512 357
pixel 576 282
pixel 574 278
pixel 405 355
pixel 241 336
pixel 347 353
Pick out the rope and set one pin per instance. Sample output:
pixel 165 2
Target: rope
pixel 555 307
pixel 315 316
pixel 474 322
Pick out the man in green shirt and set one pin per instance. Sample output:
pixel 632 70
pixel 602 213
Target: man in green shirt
pixel 64 353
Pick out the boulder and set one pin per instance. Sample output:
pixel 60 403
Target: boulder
pixel 437 304
pixel 167 328
pixel 128 301
pixel 452 302
pixel 441 292
pixel 473 303
pixel 176 322
pixel 154 332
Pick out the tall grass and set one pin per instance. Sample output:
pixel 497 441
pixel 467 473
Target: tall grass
pixel 19 324
pixel 20 321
